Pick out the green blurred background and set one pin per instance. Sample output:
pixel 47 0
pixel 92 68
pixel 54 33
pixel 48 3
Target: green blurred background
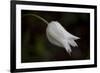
pixel 35 46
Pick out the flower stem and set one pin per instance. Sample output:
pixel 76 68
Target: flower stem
pixel 37 16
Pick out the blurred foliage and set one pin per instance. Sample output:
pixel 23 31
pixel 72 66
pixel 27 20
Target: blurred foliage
pixel 37 48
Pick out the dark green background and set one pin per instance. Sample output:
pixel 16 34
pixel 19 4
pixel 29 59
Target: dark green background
pixel 35 46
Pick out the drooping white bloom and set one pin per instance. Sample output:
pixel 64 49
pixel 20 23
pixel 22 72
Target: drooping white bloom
pixel 58 36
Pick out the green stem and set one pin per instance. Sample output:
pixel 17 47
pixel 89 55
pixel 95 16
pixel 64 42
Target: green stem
pixel 37 16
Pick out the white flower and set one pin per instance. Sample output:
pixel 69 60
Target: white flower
pixel 58 36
